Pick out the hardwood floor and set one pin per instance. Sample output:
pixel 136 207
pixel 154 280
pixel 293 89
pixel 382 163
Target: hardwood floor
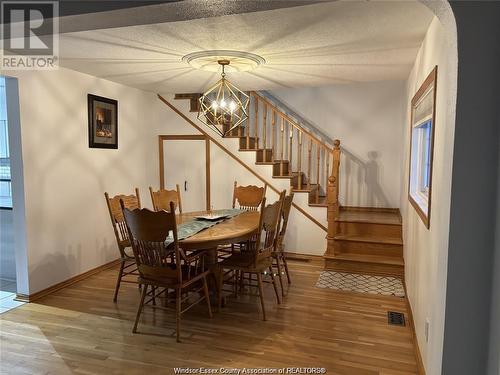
pixel 79 330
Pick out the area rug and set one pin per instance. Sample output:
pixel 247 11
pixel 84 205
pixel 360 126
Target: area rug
pixel 351 282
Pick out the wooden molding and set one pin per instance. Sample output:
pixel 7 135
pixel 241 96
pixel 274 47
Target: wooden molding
pixel 64 284
pixel 302 257
pixel 223 148
pixel 411 322
pixel 430 80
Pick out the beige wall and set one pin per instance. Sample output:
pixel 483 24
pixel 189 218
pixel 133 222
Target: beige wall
pixel 67 225
pixel 426 249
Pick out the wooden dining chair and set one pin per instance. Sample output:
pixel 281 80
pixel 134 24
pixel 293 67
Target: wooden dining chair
pixel 127 261
pixel 279 257
pixel 248 197
pixel 245 198
pixel 258 259
pixel 161 199
pixel 158 269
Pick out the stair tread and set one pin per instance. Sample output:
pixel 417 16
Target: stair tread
pixel 370 216
pixel 396 261
pixel 370 238
pixel 278 161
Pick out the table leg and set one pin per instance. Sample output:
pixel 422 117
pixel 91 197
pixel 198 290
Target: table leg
pixel 212 264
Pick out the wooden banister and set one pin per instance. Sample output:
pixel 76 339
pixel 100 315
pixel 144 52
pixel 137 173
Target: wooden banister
pixel 332 198
pixel 290 120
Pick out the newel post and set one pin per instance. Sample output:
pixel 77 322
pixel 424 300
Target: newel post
pixel 332 199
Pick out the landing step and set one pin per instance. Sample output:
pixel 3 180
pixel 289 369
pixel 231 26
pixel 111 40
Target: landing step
pixel 320 203
pixel 369 215
pixel 264 163
pixel 370 239
pixel 365 264
pixel 305 189
pixel 370 259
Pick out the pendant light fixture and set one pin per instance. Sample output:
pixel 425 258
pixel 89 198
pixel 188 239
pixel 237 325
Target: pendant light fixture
pixel 224 106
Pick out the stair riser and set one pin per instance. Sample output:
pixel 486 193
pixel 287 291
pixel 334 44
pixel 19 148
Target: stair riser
pixel 277 169
pixel 368 248
pixel 259 156
pixel 294 182
pixel 251 144
pixel 379 230
pixel 364 268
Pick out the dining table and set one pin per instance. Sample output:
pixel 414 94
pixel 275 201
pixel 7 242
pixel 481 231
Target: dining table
pixel 236 229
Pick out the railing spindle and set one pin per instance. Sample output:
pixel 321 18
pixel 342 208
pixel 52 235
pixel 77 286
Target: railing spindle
pixel 248 122
pixel 239 114
pixel 318 157
pixel 256 124
pixel 264 157
pixel 282 144
pixel 290 155
pixel 309 151
pixel 327 167
pixel 273 131
pixel 299 159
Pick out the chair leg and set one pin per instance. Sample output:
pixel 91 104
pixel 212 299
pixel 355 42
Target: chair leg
pixel 242 281
pixel 280 276
pixel 118 281
pixel 261 295
pixel 207 296
pixel 236 276
pixel 286 269
pixel 274 285
pixel 219 288
pixel 178 298
pixel 139 310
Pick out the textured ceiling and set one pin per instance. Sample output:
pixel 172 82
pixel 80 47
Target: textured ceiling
pixel 313 45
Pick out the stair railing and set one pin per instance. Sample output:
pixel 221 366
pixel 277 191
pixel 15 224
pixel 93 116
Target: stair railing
pixel 332 198
pixel 299 153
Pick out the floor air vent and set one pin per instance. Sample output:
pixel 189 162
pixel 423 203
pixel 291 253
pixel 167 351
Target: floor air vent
pixel 396 318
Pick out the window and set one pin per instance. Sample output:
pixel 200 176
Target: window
pixel 5 177
pixel 422 134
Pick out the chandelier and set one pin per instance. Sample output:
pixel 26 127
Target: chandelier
pixel 224 106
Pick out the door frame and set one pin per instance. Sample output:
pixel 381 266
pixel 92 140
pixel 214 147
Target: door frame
pixel 186 137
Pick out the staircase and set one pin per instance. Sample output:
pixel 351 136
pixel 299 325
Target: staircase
pixel 294 152
pixel 366 240
pixel 362 240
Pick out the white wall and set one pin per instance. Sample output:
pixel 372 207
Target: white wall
pixel 67 224
pixel 425 251
pixel 367 118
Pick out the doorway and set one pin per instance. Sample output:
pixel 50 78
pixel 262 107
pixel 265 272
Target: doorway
pixel 185 161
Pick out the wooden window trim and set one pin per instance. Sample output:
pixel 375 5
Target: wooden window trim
pixel 430 80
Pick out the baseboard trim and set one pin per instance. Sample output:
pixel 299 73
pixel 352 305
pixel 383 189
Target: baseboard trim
pixel 54 288
pixel 420 363
pixel 302 257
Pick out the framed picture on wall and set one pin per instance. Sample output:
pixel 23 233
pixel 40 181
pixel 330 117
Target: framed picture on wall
pixel 422 126
pixel 103 122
